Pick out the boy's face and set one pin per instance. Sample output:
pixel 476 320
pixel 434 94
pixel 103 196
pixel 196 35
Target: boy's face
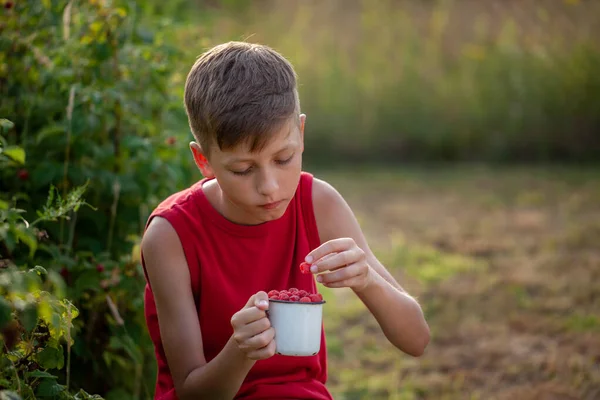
pixel 256 187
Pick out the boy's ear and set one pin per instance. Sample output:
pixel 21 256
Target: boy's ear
pixel 302 121
pixel 201 160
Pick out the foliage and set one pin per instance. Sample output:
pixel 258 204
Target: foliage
pixel 35 317
pixel 86 87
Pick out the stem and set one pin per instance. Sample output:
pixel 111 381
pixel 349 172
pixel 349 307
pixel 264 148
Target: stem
pixel 116 137
pixel 26 125
pixel 69 347
pixel 113 213
pixel 138 381
pixel 114 310
pixel 16 372
pixel 71 231
pixel 67 151
pixel 67 21
pixel 91 326
pixel 143 211
pixel 37 221
pixel 66 33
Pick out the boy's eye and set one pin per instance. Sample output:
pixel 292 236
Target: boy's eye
pixel 242 173
pixel 287 160
pixel 248 170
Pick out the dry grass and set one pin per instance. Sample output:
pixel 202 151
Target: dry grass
pixel 506 265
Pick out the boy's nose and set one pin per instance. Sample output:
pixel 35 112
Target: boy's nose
pixel 267 185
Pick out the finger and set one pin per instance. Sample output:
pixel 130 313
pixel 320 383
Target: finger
pixel 313 268
pixel 341 274
pixel 256 299
pixel 355 254
pixel 261 340
pixel 261 300
pixel 246 316
pixel 253 329
pixel 328 256
pixel 355 282
pixel 264 353
pixel 331 246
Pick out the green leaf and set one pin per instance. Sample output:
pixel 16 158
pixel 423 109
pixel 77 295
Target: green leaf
pixel 83 395
pixel 51 358
pixel 58 283
pixel 16 153
pixel 40 374
pixel 46 172
pixel 38 269
pixel 5 312
pixel 6 124
pixel 87 280
pixel 27 237
pixel 30 317
pixel 10 241
pixel 49 388
pixel 48 132
pixel 3 205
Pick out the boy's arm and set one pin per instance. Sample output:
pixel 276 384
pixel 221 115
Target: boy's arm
pixel 399 315
pixel 168 273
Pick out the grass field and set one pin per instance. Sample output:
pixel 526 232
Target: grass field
pixel 506 264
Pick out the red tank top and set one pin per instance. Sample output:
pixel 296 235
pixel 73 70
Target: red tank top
pixel 228 263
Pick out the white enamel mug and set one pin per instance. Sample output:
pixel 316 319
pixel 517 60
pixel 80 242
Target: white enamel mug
pixel 297 327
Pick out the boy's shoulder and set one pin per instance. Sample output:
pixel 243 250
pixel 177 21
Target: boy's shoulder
pixel 324 195
pixel 322 192
pixel 178 199
pixel 333 214
pixel 328 203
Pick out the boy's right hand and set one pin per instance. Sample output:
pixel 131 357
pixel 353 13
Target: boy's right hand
pixel 252 330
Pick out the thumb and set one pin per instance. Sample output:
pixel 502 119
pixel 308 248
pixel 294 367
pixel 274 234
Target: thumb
pixel 255 300
pixel 261 300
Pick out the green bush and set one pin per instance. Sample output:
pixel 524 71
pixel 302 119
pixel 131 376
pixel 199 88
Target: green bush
pixel 36 320
pixel 87 86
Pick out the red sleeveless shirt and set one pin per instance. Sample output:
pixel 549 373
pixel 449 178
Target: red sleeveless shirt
pixel 228 263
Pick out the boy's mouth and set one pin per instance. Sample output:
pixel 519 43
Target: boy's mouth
pixel 271 206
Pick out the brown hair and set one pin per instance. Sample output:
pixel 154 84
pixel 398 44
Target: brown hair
pixel 239 92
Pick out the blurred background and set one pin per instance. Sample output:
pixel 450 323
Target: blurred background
pixel 465 134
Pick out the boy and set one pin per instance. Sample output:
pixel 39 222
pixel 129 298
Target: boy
pixel 212 251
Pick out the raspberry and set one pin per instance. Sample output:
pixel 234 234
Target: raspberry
pixel 23 174
pixel 305 300
pixel 302 293
pixel 316 297
pixel 100 268
pixel 274 298
pixel 284 292
pixel 284 297
pixel 305 268
pixel 294 298
pixel 171 140
pixel 293 290
pixel 273 293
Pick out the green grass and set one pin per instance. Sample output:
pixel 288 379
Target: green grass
pixel 510 290
pixel 583 323
pixel 426 263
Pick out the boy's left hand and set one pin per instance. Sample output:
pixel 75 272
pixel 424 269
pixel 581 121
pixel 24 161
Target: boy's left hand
pixel 346 262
